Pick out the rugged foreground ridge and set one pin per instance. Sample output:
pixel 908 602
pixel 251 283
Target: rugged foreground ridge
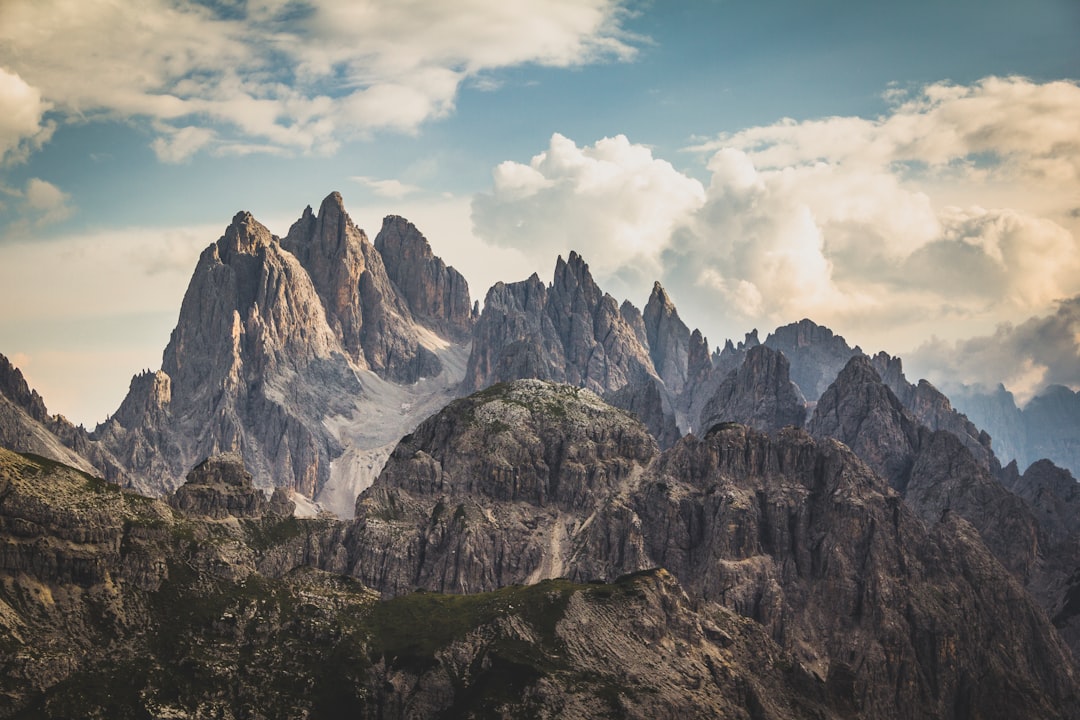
pixel 796 583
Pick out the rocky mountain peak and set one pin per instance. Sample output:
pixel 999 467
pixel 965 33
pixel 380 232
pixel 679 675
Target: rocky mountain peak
pixel 731 355
pixel 698 361
pixel 13 386
pixel 931 408
pixel 859 410
pixel 437 295
pixel 569 331
pixel 816 354
pixel 363 306
pixel 669 339
pixel 759 394
pixel 244 236
pixel 574 283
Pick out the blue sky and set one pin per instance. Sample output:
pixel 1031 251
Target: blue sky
pixel 898 171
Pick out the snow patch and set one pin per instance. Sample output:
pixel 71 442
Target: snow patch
pixel 380 417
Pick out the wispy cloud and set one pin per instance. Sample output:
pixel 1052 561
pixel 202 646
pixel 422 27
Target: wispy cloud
pixel 388 188
pixel 303 76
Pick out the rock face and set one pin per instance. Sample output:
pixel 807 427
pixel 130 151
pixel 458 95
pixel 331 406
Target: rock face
pixel 801 537
pixel 368 316
pixel 27 426
pixel 498 489
pixel 931 408
pixel 796 583
pixel 268 356
pixel 568 332
pixel 759 394
pixel 669 340
pixel 1030 522
pixel 114 605
pixel 648 401
pixel 861 411
pixel 1048 427
pixel 795 534
pixel 816 355
pixel 221 487
pixel 437 295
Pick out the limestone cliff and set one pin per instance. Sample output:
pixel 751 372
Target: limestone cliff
pixel 437 295
pixel 816 355
pixel 759 394
pixel 531 480
pixel 569 331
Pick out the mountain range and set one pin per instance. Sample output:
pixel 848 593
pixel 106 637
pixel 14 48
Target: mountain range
pixel 611 518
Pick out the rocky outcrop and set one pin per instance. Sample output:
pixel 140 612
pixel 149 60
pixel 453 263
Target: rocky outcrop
pixel 568 332
pixel 759 394
pixel 221 487
pixel 368 316
pixel 932 409
pixel 860 411
pixel 27 426
pixel 646 399
pixel 669 340
pixel 816 355
pixel 13 386
pixel 437 295
pixel 514 484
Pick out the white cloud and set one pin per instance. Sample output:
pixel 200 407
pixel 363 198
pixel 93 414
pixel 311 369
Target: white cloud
pixel 613 200
pixel 178 145
pixel 953 213
pixel 22 110
pixel 39 204
pixel 388 188
pixel 49 202
pixel 277 73
pixel 1028 129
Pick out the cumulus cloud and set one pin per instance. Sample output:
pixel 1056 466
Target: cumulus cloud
pixel 50 203
pixel 178 145
pixel 872 226
pixel 1026 129
pixel 22 123
pixel 268 74
pixel 36 205
pixel 1026 357
pixel 612 199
